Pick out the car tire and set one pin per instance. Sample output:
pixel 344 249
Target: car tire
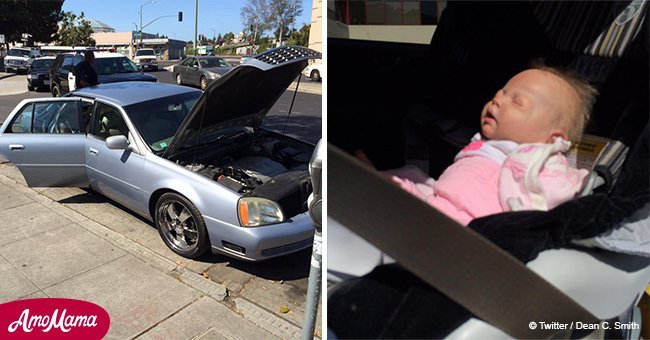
pixel 30 88
pixel 203 83
pixel 181 225
pixel 179 80
pixel 55 91
pixel 315 75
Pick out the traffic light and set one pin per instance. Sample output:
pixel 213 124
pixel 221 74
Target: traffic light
pixel 180 16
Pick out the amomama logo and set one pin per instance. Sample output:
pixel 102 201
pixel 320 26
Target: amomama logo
pixel 53 318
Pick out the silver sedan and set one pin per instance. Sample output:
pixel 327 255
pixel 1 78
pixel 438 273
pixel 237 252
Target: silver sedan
pixel 195 163
pixel 200 71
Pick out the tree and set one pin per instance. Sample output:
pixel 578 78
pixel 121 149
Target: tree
pixel 283 16
pixel 301 37
pixel 75 31
pixel 38 18
pixel 255 16
pixel 228 37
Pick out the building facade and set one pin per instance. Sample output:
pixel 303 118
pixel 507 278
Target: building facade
pixel 126 43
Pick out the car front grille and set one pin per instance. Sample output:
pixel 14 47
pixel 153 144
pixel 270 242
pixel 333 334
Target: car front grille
pixel 14 62
pixel 287 248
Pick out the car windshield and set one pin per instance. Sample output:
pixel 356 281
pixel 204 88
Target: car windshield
pixel 144 52
pixel 114 65
pixel 213 62
pixel 18 53
pixel 42 64
pixel 158 119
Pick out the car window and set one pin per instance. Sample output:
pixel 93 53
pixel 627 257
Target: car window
pixel 144 52
pixel 22 122
pixel 108 121
pixel 58 117
pixel 188 62
pixel 159 119
pixel 214 62
pixel 18 53
pixel 67 65
pixel 42 63
pixel 114 65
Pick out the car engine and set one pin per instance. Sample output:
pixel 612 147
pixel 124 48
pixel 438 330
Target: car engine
pixel 272 167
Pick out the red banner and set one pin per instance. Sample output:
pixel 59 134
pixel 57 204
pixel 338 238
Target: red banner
pixel 53 318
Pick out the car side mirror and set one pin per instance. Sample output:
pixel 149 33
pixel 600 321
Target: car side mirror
pixel 118 142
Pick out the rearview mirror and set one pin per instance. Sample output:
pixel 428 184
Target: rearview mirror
pixel 117 142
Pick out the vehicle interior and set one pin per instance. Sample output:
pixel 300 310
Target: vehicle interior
pixel 420 104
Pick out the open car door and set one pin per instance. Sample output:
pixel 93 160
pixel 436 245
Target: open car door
pixel 45 139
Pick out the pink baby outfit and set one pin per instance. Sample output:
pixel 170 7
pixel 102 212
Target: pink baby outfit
pixel 476 185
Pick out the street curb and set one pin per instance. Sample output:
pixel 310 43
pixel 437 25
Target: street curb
pixel 267 320
pixel 7 75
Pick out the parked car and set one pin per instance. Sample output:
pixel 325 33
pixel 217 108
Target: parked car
pixel 195 163
pixel 244 58
pixel 146 59
pixel 38 74
pixel 200 71
pixel 110 68
pixel 314 71
pixel 18 58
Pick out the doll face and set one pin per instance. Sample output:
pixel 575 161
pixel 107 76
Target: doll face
pixel 528 108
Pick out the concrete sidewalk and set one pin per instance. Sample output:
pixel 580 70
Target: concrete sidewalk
pixel 50 250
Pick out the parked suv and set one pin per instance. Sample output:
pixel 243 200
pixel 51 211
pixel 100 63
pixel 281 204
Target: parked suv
pixel 110 68
pixel 145 58
pixel 18 58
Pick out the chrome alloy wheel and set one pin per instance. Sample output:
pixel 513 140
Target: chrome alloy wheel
pixel 178 225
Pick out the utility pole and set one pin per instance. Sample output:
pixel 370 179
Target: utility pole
pixel 196 23
pixel 142 5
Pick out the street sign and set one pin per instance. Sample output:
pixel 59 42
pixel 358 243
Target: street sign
pixel 2 38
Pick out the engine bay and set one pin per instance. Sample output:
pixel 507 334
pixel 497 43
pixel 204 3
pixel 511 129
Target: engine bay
pixel 261 164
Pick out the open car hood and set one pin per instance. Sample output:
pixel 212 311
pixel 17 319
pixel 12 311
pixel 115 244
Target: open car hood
pixel 241 97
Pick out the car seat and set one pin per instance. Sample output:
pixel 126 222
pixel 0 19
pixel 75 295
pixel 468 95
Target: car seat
pixel 112 123
pixel 565 34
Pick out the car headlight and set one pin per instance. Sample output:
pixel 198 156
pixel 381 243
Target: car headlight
pixel 213 75
pixel 29 76
pixel 258 211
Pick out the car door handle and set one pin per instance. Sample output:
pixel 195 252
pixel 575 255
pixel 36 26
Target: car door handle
pixel 94 152
pixel 14 147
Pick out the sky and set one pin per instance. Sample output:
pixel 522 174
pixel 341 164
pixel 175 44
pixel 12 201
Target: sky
pixel 215 16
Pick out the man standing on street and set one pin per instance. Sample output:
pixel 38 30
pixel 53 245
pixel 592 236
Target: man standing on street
pixel 84 73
